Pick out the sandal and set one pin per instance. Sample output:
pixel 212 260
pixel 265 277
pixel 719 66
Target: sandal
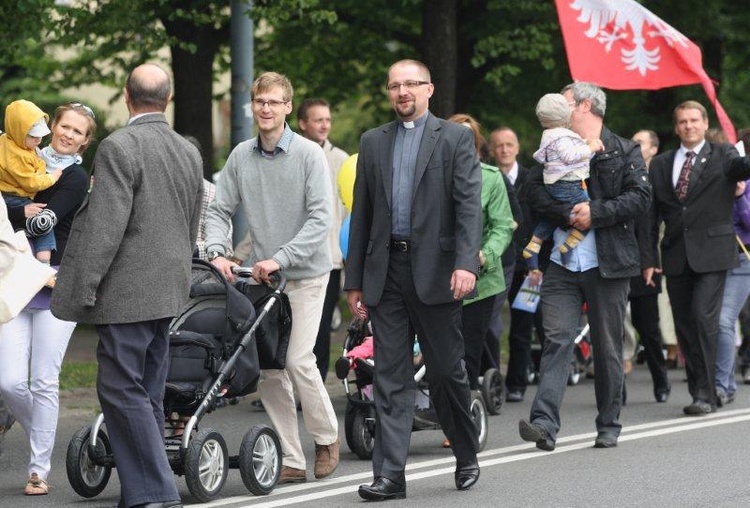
pixel 36 486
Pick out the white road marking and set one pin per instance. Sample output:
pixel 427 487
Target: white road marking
pixel 520 452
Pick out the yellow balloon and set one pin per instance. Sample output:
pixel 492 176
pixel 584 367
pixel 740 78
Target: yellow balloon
pixel 347 175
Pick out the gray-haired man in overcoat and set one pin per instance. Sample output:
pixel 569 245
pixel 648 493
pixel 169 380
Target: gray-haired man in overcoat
pixel 126 270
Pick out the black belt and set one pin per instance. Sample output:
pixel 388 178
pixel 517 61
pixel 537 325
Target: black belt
pixel 400 245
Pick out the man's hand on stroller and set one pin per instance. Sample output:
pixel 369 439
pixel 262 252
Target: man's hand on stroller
pixel 354 299
pixel 224 265
pixel 262 270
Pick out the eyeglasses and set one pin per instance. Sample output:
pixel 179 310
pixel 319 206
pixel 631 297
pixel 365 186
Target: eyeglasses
pixel 85 108
pixel 273 104
pixel 395 87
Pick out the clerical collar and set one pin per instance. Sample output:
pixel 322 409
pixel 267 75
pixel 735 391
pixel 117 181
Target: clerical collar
pixel 415 123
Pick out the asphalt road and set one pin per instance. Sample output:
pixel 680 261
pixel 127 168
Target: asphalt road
pixel 663 459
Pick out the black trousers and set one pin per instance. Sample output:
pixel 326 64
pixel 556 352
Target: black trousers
pixel 439 331
pixel 522 324
pixel 495 331
pixel 322 348
pixel 475 319
pixel 644 311
pixel 133 364
pixel 696 306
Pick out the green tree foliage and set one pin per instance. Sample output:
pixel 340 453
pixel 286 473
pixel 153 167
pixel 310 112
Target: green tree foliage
pixel 490 58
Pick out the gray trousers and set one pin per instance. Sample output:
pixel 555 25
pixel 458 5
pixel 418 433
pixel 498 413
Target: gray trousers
pixel 398 314
pixel 562 295
pixel 133 363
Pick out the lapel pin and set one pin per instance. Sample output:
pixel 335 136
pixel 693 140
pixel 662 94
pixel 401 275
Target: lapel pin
pixel 703 160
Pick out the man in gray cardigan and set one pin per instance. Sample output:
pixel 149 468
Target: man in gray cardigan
pixel 126 269
pixel 279 181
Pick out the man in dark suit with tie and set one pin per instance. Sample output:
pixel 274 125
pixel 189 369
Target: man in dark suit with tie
pixel 693 189
pixel 414 243
pixel 126 270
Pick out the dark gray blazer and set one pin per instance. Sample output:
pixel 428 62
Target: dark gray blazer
pixel 698 232
pixel 446 221
pixel 129 252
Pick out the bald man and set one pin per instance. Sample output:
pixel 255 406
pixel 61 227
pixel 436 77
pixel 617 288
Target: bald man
pixel 127 271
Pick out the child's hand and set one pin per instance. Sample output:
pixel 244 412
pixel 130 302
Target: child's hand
pixel 535 278
pixel 57 173
pixel 32 209
pixel 595 145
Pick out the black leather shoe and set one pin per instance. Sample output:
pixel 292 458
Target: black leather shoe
pixel 605 440
pixel 536 434
pixel 165 504
pixel 467 474
pixel 662 394
pixel 382 489
pixel 697 408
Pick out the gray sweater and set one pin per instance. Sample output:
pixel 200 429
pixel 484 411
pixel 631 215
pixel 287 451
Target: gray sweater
pixel 286 200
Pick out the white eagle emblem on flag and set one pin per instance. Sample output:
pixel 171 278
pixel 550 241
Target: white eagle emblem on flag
pixel 609 20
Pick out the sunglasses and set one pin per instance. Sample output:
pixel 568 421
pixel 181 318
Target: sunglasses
pixel 85 108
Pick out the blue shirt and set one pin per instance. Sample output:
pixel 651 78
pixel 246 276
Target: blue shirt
pixel 405 151
pixel 582 258
pixel 281 146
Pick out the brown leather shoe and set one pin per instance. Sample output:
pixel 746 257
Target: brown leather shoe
pixel 326 459
pixel 291 475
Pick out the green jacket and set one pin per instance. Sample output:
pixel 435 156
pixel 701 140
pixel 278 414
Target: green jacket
pixel 497 232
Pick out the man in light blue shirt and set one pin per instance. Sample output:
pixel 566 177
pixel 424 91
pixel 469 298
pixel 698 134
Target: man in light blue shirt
pixel 598 273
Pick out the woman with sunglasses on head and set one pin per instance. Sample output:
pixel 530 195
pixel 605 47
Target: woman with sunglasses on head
pixel 32 345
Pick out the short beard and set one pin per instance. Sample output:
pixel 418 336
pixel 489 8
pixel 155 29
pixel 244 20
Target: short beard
pixel 411 109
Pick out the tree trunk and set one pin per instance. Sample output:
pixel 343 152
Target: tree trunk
pixel 440 52
pixel 193 85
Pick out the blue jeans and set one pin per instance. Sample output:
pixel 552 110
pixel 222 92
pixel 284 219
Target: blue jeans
pixel 562 294
pixel 42 242
pixel 567 192
pixel 736 291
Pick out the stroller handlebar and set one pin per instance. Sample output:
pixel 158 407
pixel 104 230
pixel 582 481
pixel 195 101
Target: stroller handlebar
pixel 278 280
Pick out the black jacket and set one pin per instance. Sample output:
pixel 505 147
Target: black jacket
pixel 698 232
pixel 620 192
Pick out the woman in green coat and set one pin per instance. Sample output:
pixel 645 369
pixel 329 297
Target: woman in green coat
pixel 497 231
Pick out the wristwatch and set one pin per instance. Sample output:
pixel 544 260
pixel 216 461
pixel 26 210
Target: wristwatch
pixel 215 254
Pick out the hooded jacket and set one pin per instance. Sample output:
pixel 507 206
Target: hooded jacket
pixel 22 171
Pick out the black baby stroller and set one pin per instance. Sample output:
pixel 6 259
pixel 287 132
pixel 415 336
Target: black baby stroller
pixel 360 418
pixel 219 343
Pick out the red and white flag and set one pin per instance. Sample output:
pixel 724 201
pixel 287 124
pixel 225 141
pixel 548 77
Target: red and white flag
pixel 621 45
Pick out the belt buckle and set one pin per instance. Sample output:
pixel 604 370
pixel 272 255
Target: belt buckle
pixel 400 245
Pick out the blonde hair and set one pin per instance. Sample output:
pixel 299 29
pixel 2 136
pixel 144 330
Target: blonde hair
pixel 268 80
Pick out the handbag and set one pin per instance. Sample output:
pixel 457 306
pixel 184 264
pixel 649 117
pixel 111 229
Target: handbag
pixel 21 275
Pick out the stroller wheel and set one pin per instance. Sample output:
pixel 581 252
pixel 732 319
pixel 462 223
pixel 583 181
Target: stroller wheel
pixel 349 416
pixel 363 432
pixel 479 415
pixel 492 391
pixel 86 477
pixel 260 460
pixel 206 464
